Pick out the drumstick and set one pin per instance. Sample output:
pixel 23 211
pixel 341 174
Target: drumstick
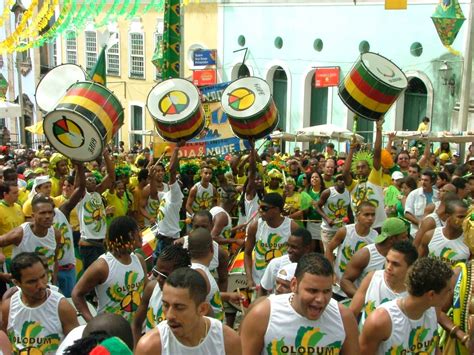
pixel 241 303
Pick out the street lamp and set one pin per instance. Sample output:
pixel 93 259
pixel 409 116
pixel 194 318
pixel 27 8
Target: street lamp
pixel 448 77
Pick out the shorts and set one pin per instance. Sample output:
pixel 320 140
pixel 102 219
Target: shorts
pixel 327 235
pixel 314 229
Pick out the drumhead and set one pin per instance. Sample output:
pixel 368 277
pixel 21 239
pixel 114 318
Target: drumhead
pixel 384 70
pixel 246 97
pixel 173 100
pixel 73 135
pixel 55 84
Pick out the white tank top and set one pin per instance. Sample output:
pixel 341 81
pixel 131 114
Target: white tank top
pixel 336 208
pixel 66 253
pixel 214 296
pixel 204 197
pixel 226 231
pixel 91 214
pixel 251 206
pixel 215 257
pixel 122 292
pixel 376 262
pixel 406 337
pixel 378 292
pixel 168 211
pixel 213 343
pixel 349 246
pixel 45 246
pixel 290 333
pixel 438 221
pixel 35 328
pixel 154 314
pixel 269 243
pixel 450 251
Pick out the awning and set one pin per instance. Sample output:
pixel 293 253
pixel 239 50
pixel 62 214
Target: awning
pixel 331 131
pixel 9 109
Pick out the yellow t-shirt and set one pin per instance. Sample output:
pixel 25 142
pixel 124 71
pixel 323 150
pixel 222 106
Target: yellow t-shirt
pixel 56 188
pixel 12 217
pixel 328 184
pixel 423 127
pixel 292 203
pixel 278 191
pixel 22 195
pixel 120 204
pixel 386 180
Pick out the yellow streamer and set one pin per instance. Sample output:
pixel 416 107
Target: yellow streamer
pixel 452 50
pixel 41 20
pixel 6 12
pixel 9 42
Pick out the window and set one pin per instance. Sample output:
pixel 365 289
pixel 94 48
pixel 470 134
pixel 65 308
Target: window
pixel 71 47
pixel 137 55
pixel 91 49
pixel 136 123
pixel 158 39
pixel 55 54
pixel 113 58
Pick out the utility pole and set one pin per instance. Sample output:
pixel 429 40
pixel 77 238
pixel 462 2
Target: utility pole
pixel 21 123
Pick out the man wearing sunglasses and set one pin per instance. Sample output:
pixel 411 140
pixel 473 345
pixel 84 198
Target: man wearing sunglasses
pixel 268 236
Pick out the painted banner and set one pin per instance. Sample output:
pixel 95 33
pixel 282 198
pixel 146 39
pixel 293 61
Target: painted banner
pixel 218 138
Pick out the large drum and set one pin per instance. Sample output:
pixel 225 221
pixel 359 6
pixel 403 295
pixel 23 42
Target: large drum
pixel 82 116
pixel 237 282
pixel 372 86
pixel 249 106
pixel 84 121
pixel 175 105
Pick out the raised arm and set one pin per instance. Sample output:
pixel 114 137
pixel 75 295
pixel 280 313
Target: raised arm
pixel 346 171
pixel 78 193
pixel 378 145
pixel 109 179
pixel 174 161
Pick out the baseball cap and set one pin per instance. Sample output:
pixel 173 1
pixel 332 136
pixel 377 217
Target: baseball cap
pixel 287 272
pixel 397 175
pixel 391 226
pixel 273 199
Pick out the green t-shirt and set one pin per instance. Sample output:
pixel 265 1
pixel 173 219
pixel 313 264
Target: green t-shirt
pixel 312 214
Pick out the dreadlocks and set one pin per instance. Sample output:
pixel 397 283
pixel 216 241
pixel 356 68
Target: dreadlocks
pixel 121 235
pixel 177 255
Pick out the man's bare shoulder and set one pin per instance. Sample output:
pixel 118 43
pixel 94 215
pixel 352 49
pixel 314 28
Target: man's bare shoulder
pixel 150 343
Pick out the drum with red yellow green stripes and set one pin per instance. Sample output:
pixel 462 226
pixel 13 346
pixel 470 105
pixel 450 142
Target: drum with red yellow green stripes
pixel 249 106
pixel 84 121
pixel 372 86
pixel 175 105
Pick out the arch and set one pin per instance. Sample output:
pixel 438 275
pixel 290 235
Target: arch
pixel 239 69
pixel 270 72
pixel 400 103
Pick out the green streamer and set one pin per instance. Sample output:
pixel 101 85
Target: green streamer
pixel 134 10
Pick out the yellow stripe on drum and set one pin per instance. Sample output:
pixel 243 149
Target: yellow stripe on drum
pixel 257 130
pixel 94 108
pixel 181 133
pixel 363 99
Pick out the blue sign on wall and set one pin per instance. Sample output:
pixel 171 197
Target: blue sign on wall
pixel 205 57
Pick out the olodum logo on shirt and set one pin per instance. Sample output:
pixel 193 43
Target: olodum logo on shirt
pixel 306 342
pixel 31 341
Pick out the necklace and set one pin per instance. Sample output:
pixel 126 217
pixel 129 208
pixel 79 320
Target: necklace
pixel 205 332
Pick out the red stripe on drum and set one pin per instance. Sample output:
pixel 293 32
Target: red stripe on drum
pixel 371 91
pixel 114 116
pixel 190 123
pixel 259 128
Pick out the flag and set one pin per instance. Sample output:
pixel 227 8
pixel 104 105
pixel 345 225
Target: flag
pixel 98 73
pixel 395 4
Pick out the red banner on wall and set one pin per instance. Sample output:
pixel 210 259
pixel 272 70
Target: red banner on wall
pixel 204 77
pixel 326 77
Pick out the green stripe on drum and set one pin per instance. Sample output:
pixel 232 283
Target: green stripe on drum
pixel 356 107
pixel 88 115
pixel 105 95
pixel 375 82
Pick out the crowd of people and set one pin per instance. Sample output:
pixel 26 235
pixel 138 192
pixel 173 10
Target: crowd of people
pixel 360 252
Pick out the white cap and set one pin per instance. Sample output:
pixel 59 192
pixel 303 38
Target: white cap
pixel 287 272
pixel 397 175
pixel 471 159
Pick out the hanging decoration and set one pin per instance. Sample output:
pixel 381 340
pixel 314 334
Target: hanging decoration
pixel 6 11
pixel 448 19
pixel 166 57
pixel 72 15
